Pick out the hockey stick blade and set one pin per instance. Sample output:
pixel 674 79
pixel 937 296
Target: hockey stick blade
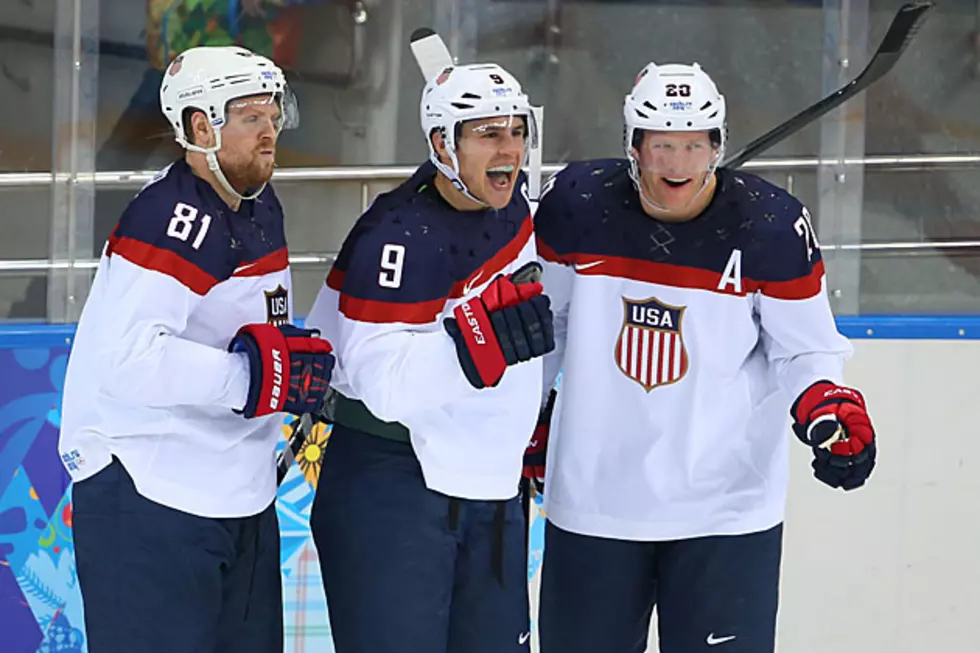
pixel 431 53
pixel 904 26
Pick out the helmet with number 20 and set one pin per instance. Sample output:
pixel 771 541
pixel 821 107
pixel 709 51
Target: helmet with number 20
pixel 471 92
pixel 673 97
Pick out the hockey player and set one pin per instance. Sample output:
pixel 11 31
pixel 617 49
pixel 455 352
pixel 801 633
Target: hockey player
pixel 182 368
pixel 690 315
pixel 439 332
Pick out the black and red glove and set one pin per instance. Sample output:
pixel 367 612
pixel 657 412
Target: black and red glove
pixel 834 422
pixel 289 367
pixel 537 449
pixel 510 322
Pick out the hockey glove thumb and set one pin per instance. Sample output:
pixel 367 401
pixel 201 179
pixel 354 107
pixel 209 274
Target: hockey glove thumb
pixel 537 449
pixel 289 368
pixel 507 324
pixel 834 422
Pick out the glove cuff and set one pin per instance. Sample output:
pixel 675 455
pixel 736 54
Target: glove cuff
pixel 268 357
pixel 477 345
pixel 810 398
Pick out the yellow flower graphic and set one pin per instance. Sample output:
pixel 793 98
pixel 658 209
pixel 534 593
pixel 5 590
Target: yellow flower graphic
pixel 310 455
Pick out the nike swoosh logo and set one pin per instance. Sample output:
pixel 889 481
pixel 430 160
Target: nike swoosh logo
pixel 713 641
pixel 243 268
pixel 585 266
pixel 523 638
pixel 471 284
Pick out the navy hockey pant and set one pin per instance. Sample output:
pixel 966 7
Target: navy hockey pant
pixel 409 570
pixel 712 594
pixel 158 580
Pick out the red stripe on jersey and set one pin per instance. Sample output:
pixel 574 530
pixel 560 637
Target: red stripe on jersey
pixel 163 261
pixel 548 254
pixel 366 310
pixel 426 312
pixel 683 276
pixel 379 312
pixel 335 279
pixel 504 257
pixel 801 288
pixel 274 262
pixel 369 310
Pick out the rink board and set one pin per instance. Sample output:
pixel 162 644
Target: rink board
pixel 892 568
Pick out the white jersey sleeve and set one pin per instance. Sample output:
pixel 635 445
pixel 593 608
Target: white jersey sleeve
pixel 379 308
pixel 558 280
pixel 146 362
pixel 798 329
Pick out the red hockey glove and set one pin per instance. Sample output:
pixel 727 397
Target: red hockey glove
pixel 834 422
pixel 290 368
pixel 537 449
pixel 510 322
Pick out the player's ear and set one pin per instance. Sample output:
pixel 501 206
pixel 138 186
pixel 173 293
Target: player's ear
pixel 439 144
pixel 201 132
pixel 639 138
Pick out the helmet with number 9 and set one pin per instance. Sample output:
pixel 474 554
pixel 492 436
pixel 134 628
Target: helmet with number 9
pixel 673 98
pixel 460 94
pixel 207 79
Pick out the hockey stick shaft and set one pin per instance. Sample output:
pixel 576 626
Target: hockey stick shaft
pixel 301 430
pixel 906 23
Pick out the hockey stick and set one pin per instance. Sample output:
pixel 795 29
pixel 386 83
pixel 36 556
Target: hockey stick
pixel 431 53
pixel 301 430
pixel 302 427
pixel 530 273
pixel 904 26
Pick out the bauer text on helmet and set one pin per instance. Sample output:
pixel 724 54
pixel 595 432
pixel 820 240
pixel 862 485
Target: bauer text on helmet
pixel 478 124
pixel 674 134
pixel 241 101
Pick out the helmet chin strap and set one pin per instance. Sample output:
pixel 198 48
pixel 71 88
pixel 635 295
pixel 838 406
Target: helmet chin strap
pixel 637 177
pixel 452 174
pixel 649 202
pixel 211 155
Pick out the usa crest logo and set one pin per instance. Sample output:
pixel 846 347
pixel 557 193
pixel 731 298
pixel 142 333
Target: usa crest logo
pixel 277 306
pixel 650 349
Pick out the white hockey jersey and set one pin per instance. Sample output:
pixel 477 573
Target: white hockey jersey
pixel 682 347
pixel 408 262
pixel 149 378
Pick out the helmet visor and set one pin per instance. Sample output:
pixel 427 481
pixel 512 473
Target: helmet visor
pixel 288 117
